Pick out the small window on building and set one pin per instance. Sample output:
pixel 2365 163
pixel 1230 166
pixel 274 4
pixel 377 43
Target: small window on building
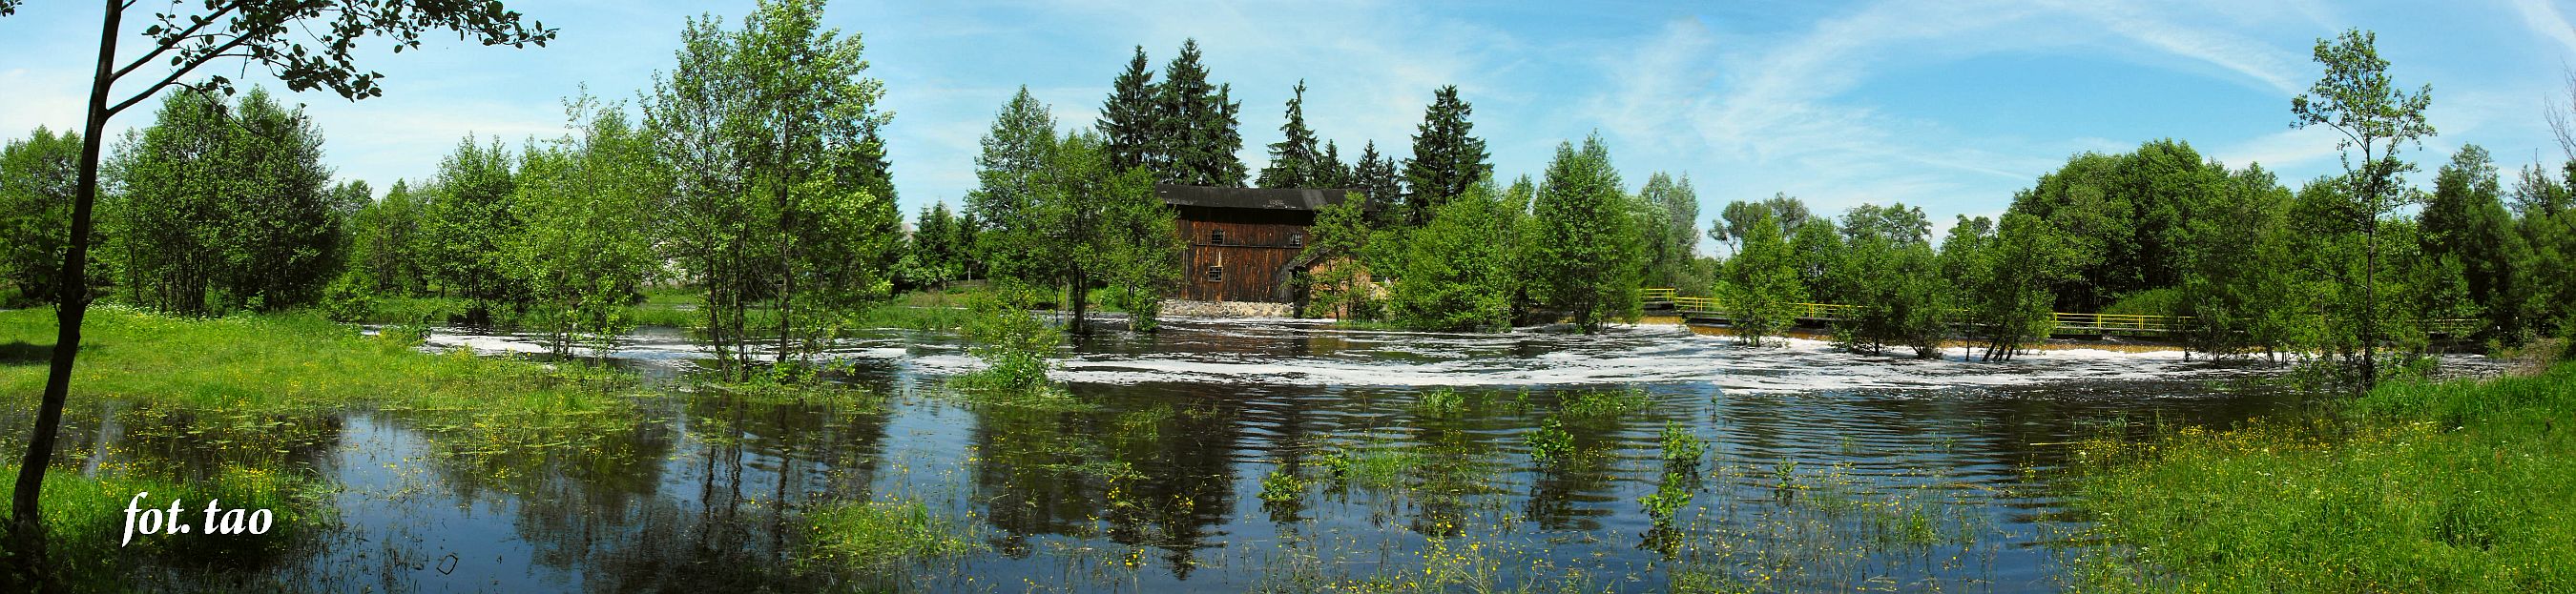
pixel 1216 237
pixel 1216 274
pixel 1296 240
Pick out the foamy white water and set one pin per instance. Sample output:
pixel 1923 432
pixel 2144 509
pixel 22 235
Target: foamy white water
pixel 1308 352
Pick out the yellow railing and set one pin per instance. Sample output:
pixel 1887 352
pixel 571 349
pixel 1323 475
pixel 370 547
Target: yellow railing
pixel 2078 321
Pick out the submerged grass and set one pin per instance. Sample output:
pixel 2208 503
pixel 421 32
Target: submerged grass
pixel 2459 486
pixel 886 534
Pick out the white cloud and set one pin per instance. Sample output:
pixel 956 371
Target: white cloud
pixel 2546 21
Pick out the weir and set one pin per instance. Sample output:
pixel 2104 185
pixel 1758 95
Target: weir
pixel 2069 325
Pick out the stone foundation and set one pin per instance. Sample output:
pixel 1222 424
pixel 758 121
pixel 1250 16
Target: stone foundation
pixel 1226 309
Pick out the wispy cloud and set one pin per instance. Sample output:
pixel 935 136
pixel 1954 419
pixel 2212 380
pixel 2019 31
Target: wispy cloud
pixel 2545 20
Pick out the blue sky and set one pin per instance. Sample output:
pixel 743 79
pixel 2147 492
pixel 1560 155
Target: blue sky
pixel 1949 105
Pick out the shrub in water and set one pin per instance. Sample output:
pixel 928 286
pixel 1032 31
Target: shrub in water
pixel 1550 442
pixel 1013 342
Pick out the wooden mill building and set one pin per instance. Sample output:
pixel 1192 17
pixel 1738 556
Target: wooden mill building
pixel 1244 242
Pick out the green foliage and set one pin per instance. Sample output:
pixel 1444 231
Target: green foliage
pixel 1603 404
pixel 2126 217
pixel 2346 294
pixel 1681 448
pixel 1016 347
pixel 223 207
pixel 1814 247
pixel 1891 277
pixel 2454 487
pixel 1127 119
pixel 1195 136
pixel 1061 216
pixel 1670 495
pixel 2356 98
pixel 347 299
pixel 2005 282
pixel 1759 286
pixel 1447 159
pixel 1585 248
pixel 1115 230
pixel 780 198
pixel 586 201
pixel 1010 175
pixel 1458 273
pixel 1338 284
pixel 1439 402
pixel 884 534
pixel 389 244
pixel 1670 226
pixel 1296 161
pixel 2465 221
pixel 38 176
pixel 1282 487
pixel 470 218
pixel 1549 443
pixel 2239 285
pixel 1736 221
pixel 1376 176
pixel 935 253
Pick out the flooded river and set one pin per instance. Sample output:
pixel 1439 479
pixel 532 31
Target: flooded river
pixel 1414 454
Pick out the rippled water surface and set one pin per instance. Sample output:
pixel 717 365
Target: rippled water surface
pixel 1821 470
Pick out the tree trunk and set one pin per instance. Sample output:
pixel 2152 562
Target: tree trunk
pixel 1081 295
pixel 72 303
pixel 2370 302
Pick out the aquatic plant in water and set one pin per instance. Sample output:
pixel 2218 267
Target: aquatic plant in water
pixel 1682 449
pixel 885 534
pixel 1604 404
pixel 1550 443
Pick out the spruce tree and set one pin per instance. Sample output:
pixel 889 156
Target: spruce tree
pixel 1335 173
pixel 1295 162
pixel 1128 119
pixel 1446 158
pixel 1194 137
pixel 1376 177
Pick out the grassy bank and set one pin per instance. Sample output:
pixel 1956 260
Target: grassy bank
pixel 242 388
pixel 2459 486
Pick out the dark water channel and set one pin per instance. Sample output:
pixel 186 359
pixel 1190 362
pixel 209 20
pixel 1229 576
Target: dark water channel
pixel 1822 470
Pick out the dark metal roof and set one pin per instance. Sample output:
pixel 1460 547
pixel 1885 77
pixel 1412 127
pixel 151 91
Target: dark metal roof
pixel 1264 198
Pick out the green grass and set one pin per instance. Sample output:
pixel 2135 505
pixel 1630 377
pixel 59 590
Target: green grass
pixel 885 534
pixel 1604 404
pixel 85 520
pixel 2460 486
pixel 239 384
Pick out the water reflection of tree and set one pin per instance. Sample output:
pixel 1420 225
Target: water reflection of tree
pixel 697 493
pixel 1149 468
pixel 1574 493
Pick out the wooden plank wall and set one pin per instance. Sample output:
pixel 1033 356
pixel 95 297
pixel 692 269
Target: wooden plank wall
pixel 1256 249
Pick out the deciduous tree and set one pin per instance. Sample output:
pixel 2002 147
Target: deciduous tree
pixel 1586 250
pixel 2376 117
